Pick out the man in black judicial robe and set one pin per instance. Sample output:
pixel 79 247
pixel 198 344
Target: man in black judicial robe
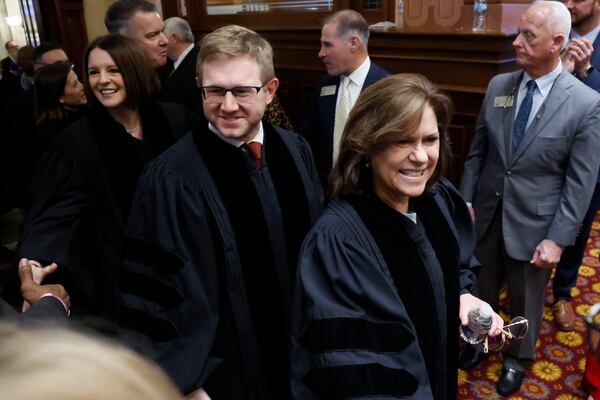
pixel 215 231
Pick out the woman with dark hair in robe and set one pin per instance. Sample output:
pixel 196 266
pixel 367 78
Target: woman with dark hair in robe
pixel 82 190
pixel 58 101
pixel 386 271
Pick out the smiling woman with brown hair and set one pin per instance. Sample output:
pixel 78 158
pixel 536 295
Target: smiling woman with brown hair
pixel 82 190
pixel 386 271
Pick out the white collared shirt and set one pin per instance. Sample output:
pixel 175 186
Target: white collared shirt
pixel 544 84
pixel 357 80
pixel 182 56
pixel 238 143
pixel 590 35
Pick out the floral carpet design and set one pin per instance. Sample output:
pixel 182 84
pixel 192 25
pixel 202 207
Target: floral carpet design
pixel 560 356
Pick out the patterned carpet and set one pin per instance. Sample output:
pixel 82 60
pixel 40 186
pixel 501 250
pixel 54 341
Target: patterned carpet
pixel 560 361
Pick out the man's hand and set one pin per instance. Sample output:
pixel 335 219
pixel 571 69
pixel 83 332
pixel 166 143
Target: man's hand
pixel 469 302
pixel 32 291
pixel 198 394
pixel 576 58
pixel 40 273
pixel 547 254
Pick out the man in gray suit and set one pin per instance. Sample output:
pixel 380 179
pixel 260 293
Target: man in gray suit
pixel 529 176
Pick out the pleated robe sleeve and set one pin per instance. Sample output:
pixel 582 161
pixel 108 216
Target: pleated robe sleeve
pixel 59 196
pixel 168 290
pixel 351 335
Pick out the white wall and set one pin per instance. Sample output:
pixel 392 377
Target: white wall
pixel 10 8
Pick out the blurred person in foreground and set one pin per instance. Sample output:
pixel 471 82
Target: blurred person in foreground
pixel 58 364
pixel 384 276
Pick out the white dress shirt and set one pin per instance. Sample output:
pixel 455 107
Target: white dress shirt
pixel 357 80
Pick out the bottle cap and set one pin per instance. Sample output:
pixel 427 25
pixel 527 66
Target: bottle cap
pixel 485 311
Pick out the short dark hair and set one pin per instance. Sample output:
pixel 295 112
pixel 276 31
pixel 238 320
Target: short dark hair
pixel 44 48
pixel 25 59
pixel 48 88
pixel 385 112
pixel 9 44
pixel 141 81
pixel 119 13
pixel 350 23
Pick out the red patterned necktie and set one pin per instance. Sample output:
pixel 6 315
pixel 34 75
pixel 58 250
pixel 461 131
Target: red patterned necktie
pixel 254 148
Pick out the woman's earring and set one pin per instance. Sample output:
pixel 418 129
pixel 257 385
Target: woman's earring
pixel 367 164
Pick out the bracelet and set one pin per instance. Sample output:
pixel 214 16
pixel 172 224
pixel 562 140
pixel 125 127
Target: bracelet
pixel 57 298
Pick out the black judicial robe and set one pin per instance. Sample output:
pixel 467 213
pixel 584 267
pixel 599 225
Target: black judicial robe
pixel 211 261
pixel 352 335
pixel 49 130
pixel 80 197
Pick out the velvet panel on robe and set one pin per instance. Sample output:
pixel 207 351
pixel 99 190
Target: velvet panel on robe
pixel 80 197
pixel 352 336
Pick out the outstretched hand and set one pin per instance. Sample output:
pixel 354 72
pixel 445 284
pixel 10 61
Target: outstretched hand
pixel 31 290
pixel 469 302
pixel 40 273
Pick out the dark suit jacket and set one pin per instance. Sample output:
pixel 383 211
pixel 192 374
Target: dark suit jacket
pixel 593 79
pixel 8 65
pixel 46 308
pixel 181 86
pixel 318 124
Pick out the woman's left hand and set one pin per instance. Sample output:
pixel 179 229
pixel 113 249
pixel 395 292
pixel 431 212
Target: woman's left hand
pixel 469 302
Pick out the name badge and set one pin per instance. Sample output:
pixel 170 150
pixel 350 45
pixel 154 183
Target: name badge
pixel 504 101
pixel 328 90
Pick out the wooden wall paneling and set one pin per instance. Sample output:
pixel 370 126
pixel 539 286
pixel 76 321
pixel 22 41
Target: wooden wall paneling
pixel 63 22
pixel 460 63
pixel 171 8
pixel 73 30
pixel 47 21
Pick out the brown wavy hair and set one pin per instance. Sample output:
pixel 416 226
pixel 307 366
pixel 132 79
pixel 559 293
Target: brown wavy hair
pixel 387 111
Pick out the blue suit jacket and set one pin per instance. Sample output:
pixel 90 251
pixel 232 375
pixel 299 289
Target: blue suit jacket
pixel 318 123
pixel 593 79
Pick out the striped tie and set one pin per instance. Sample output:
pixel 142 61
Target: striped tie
pixel 520 125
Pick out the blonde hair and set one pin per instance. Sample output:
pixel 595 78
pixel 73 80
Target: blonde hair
pixel 387 111
pixel 59 364
pixel 235 41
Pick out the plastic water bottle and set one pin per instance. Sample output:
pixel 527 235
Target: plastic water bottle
pixel 400 14
pixel 480 322
pixel 479 15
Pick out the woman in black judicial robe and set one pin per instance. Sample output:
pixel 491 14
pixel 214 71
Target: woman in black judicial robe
pixel 59 99
pixel 83 187
pixel 386 271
